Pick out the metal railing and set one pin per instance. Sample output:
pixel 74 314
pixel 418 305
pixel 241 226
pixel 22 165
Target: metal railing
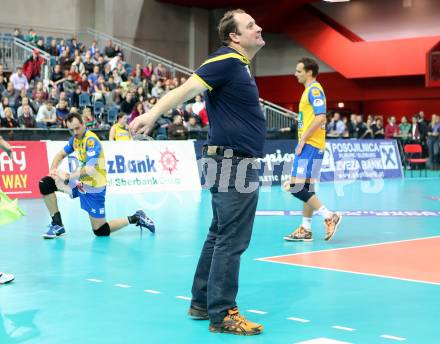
pixel 14 52
pixel 277 116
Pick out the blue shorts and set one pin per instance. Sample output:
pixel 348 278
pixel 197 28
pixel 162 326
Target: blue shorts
pixel 307 165
pixel 91 202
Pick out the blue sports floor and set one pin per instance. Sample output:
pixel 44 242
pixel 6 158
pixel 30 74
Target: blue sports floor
pixel 133 288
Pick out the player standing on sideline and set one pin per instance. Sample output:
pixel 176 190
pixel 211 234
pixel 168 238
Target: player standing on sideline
pixel 309 153
pixel 88 183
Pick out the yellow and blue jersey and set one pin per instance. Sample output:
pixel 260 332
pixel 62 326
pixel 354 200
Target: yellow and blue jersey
pixel 121 133
pixel 90 153
pixel 312 103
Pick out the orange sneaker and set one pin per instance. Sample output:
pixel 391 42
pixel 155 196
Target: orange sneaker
pixel 299 234
pixel 331 225
pixel 235 323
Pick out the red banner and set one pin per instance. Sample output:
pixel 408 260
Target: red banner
pixel 20 174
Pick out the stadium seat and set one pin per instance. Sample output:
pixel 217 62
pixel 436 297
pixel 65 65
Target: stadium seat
pixel 84 100
pixel 413 157
pixel 112 114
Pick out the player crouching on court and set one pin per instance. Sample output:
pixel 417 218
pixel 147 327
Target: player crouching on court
pixel 88 183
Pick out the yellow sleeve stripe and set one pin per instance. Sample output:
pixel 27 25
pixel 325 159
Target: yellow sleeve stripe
pixel 228 56
pixel 203 82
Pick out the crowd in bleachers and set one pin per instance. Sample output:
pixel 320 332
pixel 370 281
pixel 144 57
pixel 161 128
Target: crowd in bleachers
pixel 99 84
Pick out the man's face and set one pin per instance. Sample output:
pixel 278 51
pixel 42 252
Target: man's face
pixel 76 128
pixel 301 74
pixel 19 72
pixel 249 33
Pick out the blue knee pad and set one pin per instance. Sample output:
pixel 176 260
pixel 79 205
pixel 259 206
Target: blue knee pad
pixel 302 191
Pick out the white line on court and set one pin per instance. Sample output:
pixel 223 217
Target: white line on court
pixel 151 291
pixel 122 285
pixel 343 328
pixel 256 311
pixel 387 336
pixel 298 320
pixel 183 298
pixel 94 280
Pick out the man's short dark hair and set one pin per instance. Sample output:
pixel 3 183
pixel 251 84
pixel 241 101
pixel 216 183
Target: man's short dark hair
pixel 228 25
pixel 73 115
pixel 310 64
pixel 120 115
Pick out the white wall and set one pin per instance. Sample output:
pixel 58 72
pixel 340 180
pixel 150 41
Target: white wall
pixel 386 19
pixel 280 55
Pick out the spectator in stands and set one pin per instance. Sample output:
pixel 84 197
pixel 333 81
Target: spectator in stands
pixel 62 110
pixel 392 129
pixel 359 128
pixel 335 128
pixel 93 77
pixel 351 126
pixel 37 101
pixel 32 66
pixel 109 50
pixel 74 99
pixel 111 85
pixel 158 91
pixel 39 87
pixel 100 90
pixel 140 95
pixel 404 128
pixel 121 71
pixel 150 103
pixel 57 76
pixel 52 49
pixel 69 85
pixel 116 77
pixel 198 105
pixel 368 133
pixel 17 34
pixel 74 45
pixel 423 126
pixel 204 120
pixel 84 83
pixel 46 116
pixel 54 95
pixel 65 61
pixel 128 103
pixel 176 130
pixel 2 73
pixel 10 93
pixel 3 105
pixel 27 120
pixel 88 63
pixel 19 80
pixel 378 130
pixel 100 62
pixel 8 120
pixel 148 70
pixel 40 44
pixel 161 72
pixel 89 120
pixel 20 109
pixel 137 77
pixel 415 131
pixel 192 124
pixel 119 131
pixel 78 65
pixel 31 37
pixel 3 84
pixel 107 72
pixel 433 142
pixel 19 100
pixel 61 46
pixel 137 111
pixel 94 48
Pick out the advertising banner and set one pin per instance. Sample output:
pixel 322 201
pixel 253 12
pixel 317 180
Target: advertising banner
pixel 361 159
pixel 21 173
pixel 143 166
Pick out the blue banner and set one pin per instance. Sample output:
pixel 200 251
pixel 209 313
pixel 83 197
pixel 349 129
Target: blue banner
pixel 343 160
pixel 361 159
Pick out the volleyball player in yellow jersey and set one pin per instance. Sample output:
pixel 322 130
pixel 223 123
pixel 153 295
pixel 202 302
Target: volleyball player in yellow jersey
pixel 88 183
pixel 119 131
pixel 309 153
